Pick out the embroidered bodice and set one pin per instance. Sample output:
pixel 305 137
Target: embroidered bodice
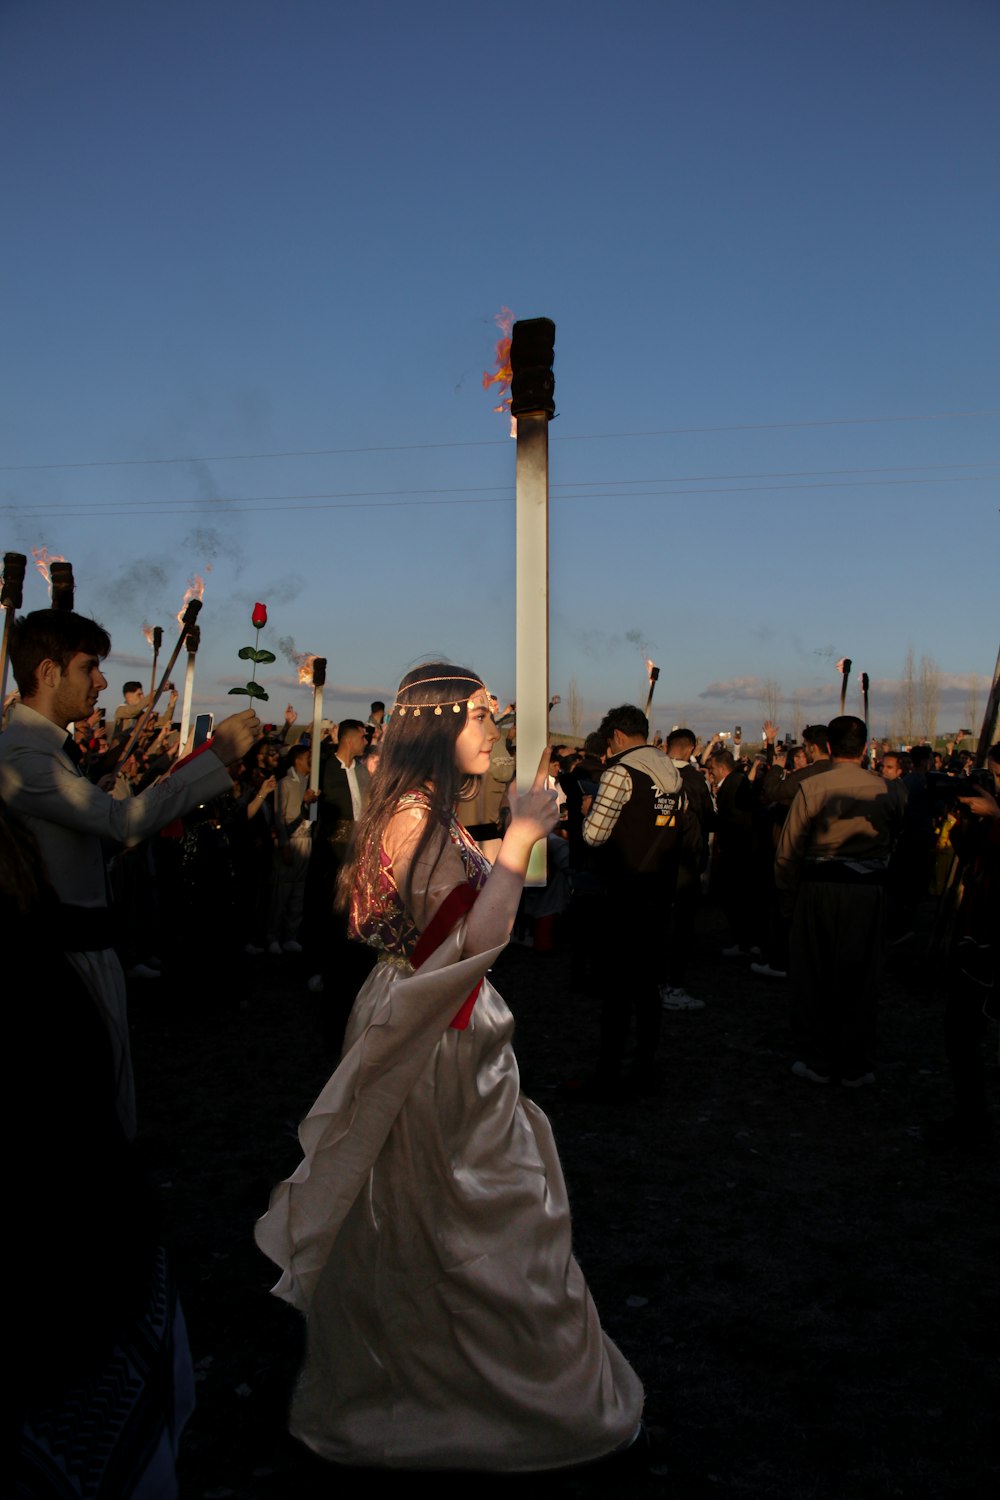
pixel 378 916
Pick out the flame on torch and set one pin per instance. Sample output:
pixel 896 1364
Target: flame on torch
pixel 304 662
pixel 503 374
pixel 147 631
pixel 195 590
pixel 43 557
pixel 650 669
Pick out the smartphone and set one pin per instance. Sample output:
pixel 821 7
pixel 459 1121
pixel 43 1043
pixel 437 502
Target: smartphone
pixel 203 725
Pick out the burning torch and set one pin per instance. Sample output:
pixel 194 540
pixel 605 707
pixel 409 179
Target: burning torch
pixel 154 635
pixel 653 673
pixel 864 699
pixel 193 642
pixel 11 598
pixel 188 622
pixel 62 584
pixel 318 681
pixel 532 389
pixel 844 668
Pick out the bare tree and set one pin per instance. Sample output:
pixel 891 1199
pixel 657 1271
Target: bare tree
pixel 770 700
pixel 906 708
pixel 930 697
pixel 973 709
pixel 574 707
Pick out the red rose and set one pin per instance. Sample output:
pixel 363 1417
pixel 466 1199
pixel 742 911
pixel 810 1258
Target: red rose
pixel 259 616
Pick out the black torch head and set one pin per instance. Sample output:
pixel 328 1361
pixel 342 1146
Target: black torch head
pixel 61 574
pixel 190 615
pixel 319 671
pixel 157 637
pixel 192 639
pixel 532 351
pixel 12 596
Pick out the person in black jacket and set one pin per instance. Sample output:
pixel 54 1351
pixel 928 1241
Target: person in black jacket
pixel 634 827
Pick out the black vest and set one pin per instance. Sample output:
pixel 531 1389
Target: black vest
pixel 646 837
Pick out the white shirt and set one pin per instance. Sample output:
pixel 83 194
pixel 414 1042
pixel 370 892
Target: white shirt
pixel 351 772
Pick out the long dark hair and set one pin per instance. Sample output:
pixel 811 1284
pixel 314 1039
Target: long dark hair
pixel 417 753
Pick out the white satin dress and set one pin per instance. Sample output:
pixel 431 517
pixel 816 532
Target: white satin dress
pixel 426 1233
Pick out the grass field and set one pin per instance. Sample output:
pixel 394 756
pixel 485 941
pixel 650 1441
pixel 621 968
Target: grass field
pixel 808 1294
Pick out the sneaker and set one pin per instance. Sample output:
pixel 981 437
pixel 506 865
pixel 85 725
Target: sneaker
pixel 736 952
pixel 859 1082
pixel 803 1070
pixel 274 949
pixel 142 971
pixel 315 984
pixel 292 946
pixel 251 950
pixel 766 972
pixel 674 998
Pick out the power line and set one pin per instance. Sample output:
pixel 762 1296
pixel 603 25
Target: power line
pixel 199 507
pixel 581 437
pixel 80 507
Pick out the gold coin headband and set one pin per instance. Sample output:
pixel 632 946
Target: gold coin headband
pixel 455 704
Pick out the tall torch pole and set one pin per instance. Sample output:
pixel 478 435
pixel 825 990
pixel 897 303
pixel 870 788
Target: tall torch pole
pixel 157 643
pixel 193 642
pixel 531 389
pixel 11 598
pixel 319 678
pixel 653 672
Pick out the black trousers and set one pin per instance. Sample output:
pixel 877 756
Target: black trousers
pixel 630 930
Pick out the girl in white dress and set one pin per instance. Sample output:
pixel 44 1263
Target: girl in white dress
pixel 426 1233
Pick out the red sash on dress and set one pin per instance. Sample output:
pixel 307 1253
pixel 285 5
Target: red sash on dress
pixel 451 911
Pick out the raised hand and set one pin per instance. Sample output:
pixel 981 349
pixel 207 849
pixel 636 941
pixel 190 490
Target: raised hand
pixel 534 813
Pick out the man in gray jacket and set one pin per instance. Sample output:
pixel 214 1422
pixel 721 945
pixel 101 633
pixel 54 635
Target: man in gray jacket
pixel 56 657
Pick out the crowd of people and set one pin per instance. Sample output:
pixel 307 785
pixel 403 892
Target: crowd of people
pixel 385 866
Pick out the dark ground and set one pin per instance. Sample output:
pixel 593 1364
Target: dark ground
pixel 809 1295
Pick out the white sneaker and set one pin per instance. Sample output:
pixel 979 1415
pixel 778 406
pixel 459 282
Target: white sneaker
pixel 766 972
pixel 674 998
pixel 315 984
pixel 292 946
pixel 859 1082
pixel 274 949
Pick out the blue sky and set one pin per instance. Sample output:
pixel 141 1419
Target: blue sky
pixel 768 236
